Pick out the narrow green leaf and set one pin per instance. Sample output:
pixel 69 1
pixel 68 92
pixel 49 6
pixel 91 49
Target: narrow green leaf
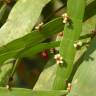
pixel 30 40
pixel 24 53
pixel 28 92
pixel 90 10
pixel 5 72
pixel 88 27
pixel 21 20
pixel 19 44
pixel 38 48
pixel 2 11
pixel 71 35
pixel 46 78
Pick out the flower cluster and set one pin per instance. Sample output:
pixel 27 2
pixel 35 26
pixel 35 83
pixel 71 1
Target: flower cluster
pixel 78 44
pixel 58 58
pixel 65 18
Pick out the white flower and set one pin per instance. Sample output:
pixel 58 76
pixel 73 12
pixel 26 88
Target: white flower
pixel 65 15
pixel 69 87
pixel 39 26
pixel 7 86
pixel 75 45
pixel 65 18
pixel 78 44
pixel 52 50
pixel 59 59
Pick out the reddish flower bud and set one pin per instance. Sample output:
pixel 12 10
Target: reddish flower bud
pixel 44 54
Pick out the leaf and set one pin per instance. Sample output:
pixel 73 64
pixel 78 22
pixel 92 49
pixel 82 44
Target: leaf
pixel 42 83
pixel 83 83
pixel 90 10
pixel 28 92
pixel 71 35
pixel 17 45
pixel 21 20
pixel 5 72
pixel 5 10
pixel 13 48
pixel 46 78
pixel 38 48
pixel 88 26
pixel 2 11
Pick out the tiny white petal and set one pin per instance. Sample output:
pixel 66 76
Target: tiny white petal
pixel 61 57
pixel 7 86
pixel 69 84
pixel 41 24
pixel 57 62
pixel 61 61
pixel 65 15
pixel 75 45
pixel 37 27
pixel 65 21
pixel 79 43
pixel 55 57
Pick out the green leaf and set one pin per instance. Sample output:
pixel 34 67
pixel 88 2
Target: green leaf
pixel 38 48
pixel 2 11
pixel 33 38
pixel 28 92
pixel 5 72
pixel 24 47
pixel 90 10
pixel 21 20
pixel 83 83
pixel 46 78
pixel 88 26
pixel 13 48
pixel 71 35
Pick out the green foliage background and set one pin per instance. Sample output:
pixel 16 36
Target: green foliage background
pixel 22 46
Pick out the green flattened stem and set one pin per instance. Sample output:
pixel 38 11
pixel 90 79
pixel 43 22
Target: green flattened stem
pixel 72 30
